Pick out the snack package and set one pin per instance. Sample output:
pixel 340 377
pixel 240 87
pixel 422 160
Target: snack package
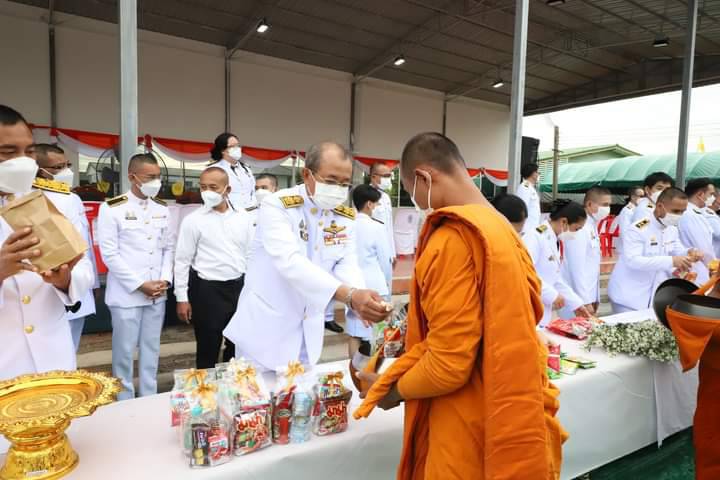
pixel 388 337
pixel 301 425
pixel 554 356
pixel 331 406
pixel 185 381
pixel 248 401
pixel 581 362
pixel 283 401
pixel 207 428
pixel 578 327
pixel 568 368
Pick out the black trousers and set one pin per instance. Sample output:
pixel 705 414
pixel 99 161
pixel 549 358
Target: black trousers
pixel 213 305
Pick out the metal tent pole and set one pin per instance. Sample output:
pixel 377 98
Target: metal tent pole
pixel 517 100
pixel 127 14
pixel 688 65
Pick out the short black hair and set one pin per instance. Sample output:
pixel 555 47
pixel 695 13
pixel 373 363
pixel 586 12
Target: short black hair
pixel 511 206
pixel 632 190
pixel 9 116
pixel 373 167
pixel 528 170
pixel 670 194
pixel 697 184
pixel 362 194
pixel 273 178
pixel 434 149
pixel 141 158
pixel 658 177
pixel 564 208
pixel 42 150
pixel 221 143
pixel 594 192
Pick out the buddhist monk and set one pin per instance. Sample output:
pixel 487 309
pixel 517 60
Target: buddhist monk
pixel 478 404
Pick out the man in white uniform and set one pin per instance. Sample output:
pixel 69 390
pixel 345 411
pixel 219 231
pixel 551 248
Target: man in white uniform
pixel 624 218
pixel 35 334
pixel 652 250
pixel 265 185
pixel 303 258
pixel 527 191
pixel 138 249
pixel 695 230
pixel 653 185
pixel 55 167
pixel 581 268
pixel 713 219
pixel 381 180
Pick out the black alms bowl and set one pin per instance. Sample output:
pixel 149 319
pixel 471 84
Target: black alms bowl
pixel 666 294
pixel 698 306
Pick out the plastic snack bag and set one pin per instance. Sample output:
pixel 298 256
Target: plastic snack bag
pixel 283 400
pixel 207 428
pixel 251 409
pixel 331 406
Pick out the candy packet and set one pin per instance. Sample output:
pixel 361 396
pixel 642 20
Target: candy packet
pixel 388 337
pixel 283 400
pixel 331 406
pixel 207 428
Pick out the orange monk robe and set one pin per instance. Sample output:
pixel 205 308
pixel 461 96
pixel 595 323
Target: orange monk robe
pixel 478 404
pixel 699 339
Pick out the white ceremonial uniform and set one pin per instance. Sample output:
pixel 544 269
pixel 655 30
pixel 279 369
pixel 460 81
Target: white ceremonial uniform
pixel 695 232
pixel 137 246
pixel 376 265
pixel 542 245
pixel 242 184
pixel 622 222
pixel 581 263
pixel 714 222
pixel 646 262
pixel 300 256
pixel 35 333
pixel 527 192
pixel 384 213
pixel 644 209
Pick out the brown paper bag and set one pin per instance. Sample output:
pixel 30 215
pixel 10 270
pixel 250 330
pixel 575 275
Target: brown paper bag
pixel 59 243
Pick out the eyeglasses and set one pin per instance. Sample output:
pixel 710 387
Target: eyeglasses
pixel 330 182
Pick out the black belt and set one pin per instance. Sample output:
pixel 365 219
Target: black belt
pixel 233 281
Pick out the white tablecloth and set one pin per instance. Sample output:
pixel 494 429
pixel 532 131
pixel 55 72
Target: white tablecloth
pixel 609 412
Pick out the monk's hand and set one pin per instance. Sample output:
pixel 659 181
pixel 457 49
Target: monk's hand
pixel 369 379
pixel 559 302
pixel 391 400
pixel 369 306
pixel 60 277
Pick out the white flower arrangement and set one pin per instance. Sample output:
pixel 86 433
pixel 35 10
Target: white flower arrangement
pixel 647 339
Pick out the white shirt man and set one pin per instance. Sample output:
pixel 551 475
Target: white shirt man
pixel 652 250
pixel 381 179
pixel 528 193
pixel 210 263
pixel 242 183
pixel 138 249
pixel 303 257
pixel 695 230
pixel 624 218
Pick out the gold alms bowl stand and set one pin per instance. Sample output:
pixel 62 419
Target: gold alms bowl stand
pixel 35 411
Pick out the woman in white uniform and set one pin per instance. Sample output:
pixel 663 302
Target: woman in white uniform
pixel 374 258
pixel 227 154
pixel 543 244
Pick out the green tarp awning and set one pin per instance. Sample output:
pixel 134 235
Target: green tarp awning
pixel 622 173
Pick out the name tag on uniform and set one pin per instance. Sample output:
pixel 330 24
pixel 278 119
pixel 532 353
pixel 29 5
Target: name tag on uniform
pixel 653 242
pixel 130 216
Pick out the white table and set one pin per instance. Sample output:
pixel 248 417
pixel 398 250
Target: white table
pixel 608 411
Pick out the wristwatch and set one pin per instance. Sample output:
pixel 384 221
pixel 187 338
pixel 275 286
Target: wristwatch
pixel 348 299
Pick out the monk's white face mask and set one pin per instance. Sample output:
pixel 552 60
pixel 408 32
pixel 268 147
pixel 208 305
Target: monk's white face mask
pixel 429 209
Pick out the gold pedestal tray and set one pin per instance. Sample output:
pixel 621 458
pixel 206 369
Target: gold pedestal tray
pixel 35 411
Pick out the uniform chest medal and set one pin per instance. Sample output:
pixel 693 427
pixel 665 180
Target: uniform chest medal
pixel 303 231
pixel 333 235
pixel 653 241
pixel 130 216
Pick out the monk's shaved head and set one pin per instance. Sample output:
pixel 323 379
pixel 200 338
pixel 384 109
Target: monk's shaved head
pixel 432 149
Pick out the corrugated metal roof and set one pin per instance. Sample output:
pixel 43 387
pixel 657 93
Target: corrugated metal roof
pixel 580 52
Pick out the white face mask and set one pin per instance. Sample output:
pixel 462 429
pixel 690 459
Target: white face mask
pixel 412 197
pixel 601 214
pixel 65 176
pixel 151 188
pixel 261 194
pixel 17 175
pixel 235 153
pixel 385 183
pixel 211 199
pixel 671 219
pixel 654 197
pixel 710 200
pixel 566 235
pixel 327 197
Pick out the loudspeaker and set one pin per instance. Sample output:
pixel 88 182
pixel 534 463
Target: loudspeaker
pixel 529 150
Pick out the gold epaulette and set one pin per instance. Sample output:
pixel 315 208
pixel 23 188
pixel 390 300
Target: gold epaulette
pixel 541 228
pixel 643 223
pixel 51 186
pixel 344 211
pixel 292 201
pixel 160 201
pixel 119 200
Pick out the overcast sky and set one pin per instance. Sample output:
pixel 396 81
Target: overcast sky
pixel 646 125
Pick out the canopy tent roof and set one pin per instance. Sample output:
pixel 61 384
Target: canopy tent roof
pixel 580 52
pixel 620 173
pixel 572 153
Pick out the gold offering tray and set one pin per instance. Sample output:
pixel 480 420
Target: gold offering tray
pixel 35 411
